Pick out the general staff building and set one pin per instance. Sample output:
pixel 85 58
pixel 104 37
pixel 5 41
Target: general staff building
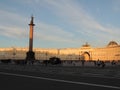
pixel 86 52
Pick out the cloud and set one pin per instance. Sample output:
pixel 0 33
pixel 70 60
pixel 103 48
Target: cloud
pixel 75 15
pixel 53 33
pixel 12 25
pixel 12 32
pixel 116 6
pixel 43 31
pixel 84 27
pixel 7 17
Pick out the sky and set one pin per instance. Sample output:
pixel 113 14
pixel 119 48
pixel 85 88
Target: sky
pixel 59 23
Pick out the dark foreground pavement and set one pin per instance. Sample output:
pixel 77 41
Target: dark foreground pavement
pixel 23 80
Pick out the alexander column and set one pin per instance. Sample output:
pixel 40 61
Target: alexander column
pixel 30 54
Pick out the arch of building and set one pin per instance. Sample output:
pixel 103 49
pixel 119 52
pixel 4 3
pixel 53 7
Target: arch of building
pixel 86 56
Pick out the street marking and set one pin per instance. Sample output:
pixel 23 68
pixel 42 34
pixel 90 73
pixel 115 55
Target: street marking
pixel 58 80
pixel 100 76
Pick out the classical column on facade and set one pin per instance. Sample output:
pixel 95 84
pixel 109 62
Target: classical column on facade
pixel 30 54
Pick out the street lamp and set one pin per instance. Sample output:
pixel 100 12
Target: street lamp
pixel 46 55
pixel 14 53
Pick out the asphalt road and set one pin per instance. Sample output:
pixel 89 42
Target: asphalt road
pixel 19 80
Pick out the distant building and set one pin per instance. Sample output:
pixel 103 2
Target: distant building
pixel 86 52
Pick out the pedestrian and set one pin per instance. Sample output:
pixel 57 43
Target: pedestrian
pixel 98 63
pixel 95 63
pixel 103 64
pixel 83 62
pixel 113 62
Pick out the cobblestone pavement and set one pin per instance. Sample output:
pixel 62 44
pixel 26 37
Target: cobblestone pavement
pixel 109 71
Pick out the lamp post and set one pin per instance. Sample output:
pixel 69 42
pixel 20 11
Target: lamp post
pixel 14 53
pixel 79 55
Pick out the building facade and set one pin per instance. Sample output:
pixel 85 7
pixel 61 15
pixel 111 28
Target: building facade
pixel 86 52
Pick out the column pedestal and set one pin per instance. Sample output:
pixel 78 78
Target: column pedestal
pixel 30 56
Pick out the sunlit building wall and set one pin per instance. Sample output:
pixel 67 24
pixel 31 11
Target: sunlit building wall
pixel 86 52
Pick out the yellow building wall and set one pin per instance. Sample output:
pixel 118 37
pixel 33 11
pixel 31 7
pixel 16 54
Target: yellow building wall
pixel 105 53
